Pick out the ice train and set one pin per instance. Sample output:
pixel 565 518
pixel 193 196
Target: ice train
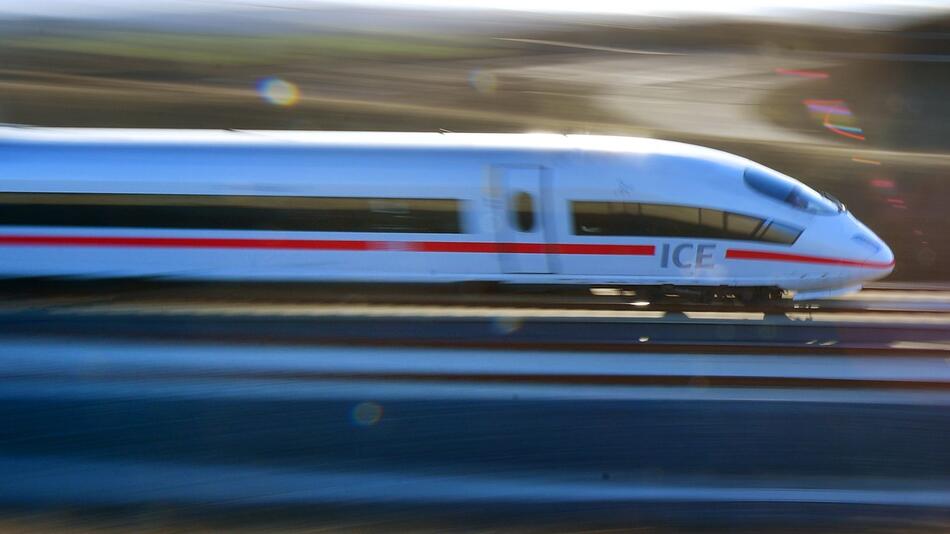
pixel 420 207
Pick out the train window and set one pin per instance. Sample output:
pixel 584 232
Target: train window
pixel 667 220
pixel 224 212
pixel 777 232
pixel 714 219
pixel 664 219
pixel 599 218
pixel 671 215
pixel 742 225
pixel 524 211
pixel 790 191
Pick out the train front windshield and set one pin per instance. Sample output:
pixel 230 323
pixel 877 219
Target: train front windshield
pixel 790 191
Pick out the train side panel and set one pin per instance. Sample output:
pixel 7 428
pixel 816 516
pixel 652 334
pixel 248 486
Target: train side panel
pixel 602 182
pixel 413 213
pixel 242 253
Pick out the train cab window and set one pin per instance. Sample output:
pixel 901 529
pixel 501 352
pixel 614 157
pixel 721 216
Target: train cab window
pixel 523 205
pixel 784 189
pixel 777 232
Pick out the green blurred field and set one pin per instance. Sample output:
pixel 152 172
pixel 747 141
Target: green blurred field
pixel 251 49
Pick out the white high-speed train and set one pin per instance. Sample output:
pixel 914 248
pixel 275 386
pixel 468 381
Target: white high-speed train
pixel 420 207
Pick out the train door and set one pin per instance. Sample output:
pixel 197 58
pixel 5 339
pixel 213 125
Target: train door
pixel 520 206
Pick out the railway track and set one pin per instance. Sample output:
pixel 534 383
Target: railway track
pixel 245 397
pixel 886 321
pixel 882 299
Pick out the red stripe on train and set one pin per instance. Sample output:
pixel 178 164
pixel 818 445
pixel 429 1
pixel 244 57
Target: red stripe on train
pixel 328 244
pixel 737 254
pixel 186 242
pixel 408 246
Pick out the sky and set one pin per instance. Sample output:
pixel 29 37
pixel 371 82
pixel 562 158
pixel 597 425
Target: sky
pixel 106 8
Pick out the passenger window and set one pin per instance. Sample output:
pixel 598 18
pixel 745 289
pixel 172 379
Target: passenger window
pixel 785 234
pixel 668 220
pixel 671 215
pixel 711 218
pixel 233 212
pixel 524 211
pixel 742 225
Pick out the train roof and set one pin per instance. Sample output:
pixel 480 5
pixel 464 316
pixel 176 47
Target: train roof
pixel 546 142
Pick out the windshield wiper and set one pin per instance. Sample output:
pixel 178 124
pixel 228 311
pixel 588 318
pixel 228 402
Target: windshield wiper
pixel 840 205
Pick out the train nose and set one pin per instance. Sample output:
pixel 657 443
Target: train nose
pixel 880 257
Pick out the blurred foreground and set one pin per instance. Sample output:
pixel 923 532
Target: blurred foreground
pixel 267 407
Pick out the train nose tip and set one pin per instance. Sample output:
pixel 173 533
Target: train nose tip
pixel 884 258
pixel 882 261
pixel 880 257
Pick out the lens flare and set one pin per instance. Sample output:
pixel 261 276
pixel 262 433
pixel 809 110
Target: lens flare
pixel 836 116
pixel 367 413
pixel 278 92
pixel 507 325
pixel 483 82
